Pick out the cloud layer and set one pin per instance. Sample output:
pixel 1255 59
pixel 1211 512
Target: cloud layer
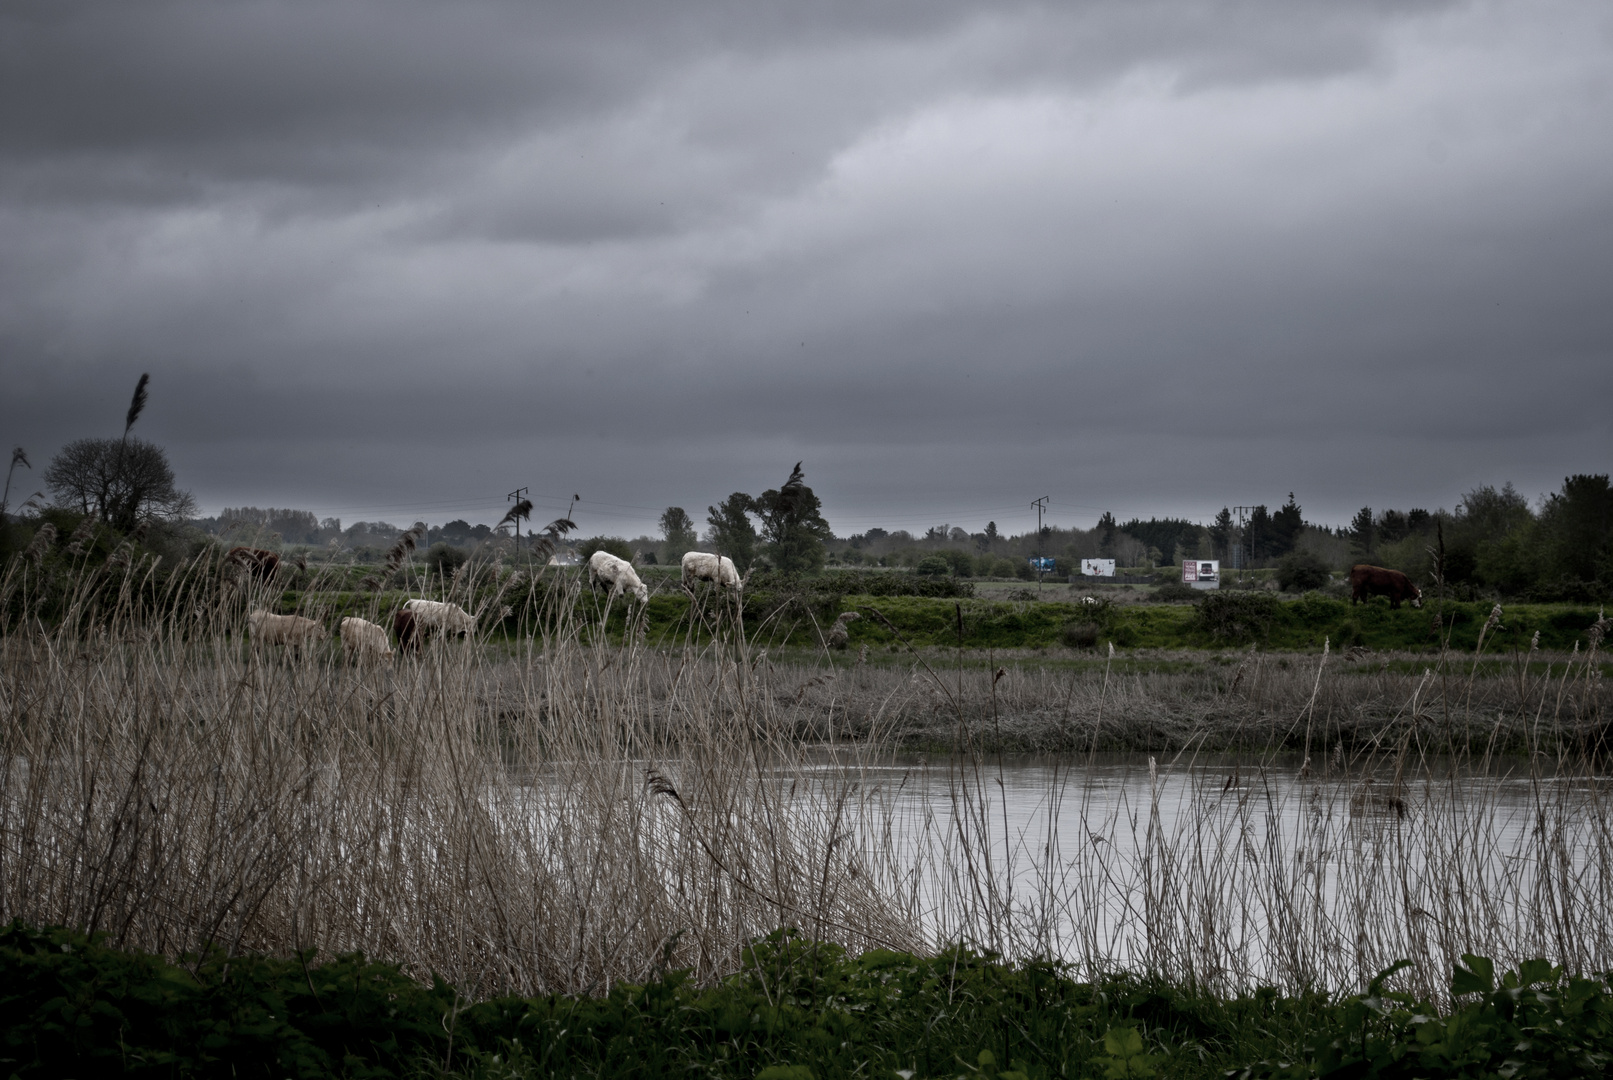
pixel 393 260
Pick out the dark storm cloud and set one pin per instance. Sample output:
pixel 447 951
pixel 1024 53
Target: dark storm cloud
pixel 1154 256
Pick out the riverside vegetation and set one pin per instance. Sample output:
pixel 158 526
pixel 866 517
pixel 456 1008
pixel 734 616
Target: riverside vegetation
pixel 573 845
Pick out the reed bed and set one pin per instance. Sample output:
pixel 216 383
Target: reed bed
pixel 555 815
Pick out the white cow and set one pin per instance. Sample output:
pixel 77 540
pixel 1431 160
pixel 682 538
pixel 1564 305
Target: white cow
pixel 436 615
pixel 292 630
pixel 364 639
pixel 617 573
pixel 701 566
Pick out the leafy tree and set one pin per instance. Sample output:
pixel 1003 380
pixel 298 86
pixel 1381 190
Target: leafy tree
pixel 1221 534
pixel 1488 514
pixel 1106 533
pixel 1286 525
pixel 732 533
pixel 932 566
pixel 1363 542
pixel 121 480
pixel 1166 535
pixel 991 532
pixel 1259 535
pixel 1577 523
pixel 1392 526
pixel 793 525
pixel 677 534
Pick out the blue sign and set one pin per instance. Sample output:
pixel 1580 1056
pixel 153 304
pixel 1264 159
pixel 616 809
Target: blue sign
pixel 1044 566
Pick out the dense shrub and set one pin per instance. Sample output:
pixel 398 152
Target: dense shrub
pixel 71 1006
pixel 613 544
pixel 932 566
pixel 1080 635
pixel 1302 571
pixel 444 559
pixel 1174 591
pixel 859 583
pixel 1237 616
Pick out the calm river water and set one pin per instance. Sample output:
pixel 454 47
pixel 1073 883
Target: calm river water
pixel 1241 870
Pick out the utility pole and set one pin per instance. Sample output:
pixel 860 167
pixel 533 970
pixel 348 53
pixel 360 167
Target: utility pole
pixel 516 496
pixel 1041 507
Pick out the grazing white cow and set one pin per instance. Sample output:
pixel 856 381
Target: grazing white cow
pixel 617 573
pixel 436 615
pixel 364 639
pixel 291 630
pixel 719 569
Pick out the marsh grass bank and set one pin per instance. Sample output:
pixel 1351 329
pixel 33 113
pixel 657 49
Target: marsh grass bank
pixel 569 811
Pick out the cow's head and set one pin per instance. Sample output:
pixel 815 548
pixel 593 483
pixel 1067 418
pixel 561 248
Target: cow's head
pixel 1416 597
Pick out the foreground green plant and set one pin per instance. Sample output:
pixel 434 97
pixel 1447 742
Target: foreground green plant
pixel 796 1008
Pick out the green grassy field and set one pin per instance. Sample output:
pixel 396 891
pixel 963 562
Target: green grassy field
pixel 1301 624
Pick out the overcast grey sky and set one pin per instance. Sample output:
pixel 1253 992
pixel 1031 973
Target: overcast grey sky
pixel 391 260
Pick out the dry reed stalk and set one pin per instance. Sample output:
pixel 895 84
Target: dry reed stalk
pixel 559 813
pixel 488 821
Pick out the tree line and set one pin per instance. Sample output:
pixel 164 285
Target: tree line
pixel 1493 539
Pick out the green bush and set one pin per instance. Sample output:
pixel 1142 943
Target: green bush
pixel 1080 635
pixel 72 1006
pixel 1174 591
pixel 1302 571
pixel 1237 616
pixel 932 566
pixel 444 559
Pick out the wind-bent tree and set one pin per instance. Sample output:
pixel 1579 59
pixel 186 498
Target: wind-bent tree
pixel 793 525
pixel 122 481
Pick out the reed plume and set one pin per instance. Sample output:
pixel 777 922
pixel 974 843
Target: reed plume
pixel 137 404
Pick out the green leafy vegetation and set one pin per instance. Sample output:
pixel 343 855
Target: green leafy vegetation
pixel 794 1008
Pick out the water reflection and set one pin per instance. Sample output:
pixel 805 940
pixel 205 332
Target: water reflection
pixel 1239 870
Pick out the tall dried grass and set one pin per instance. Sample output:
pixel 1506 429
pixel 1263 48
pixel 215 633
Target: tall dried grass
pixel 556 815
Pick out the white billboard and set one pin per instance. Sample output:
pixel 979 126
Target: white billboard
pixel 1202 573
pixel 1098 567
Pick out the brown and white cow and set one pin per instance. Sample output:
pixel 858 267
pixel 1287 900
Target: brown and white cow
pixel 1369 581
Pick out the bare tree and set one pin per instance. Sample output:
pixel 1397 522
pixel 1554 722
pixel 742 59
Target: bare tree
pixel 1129 551
pixel 122 480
